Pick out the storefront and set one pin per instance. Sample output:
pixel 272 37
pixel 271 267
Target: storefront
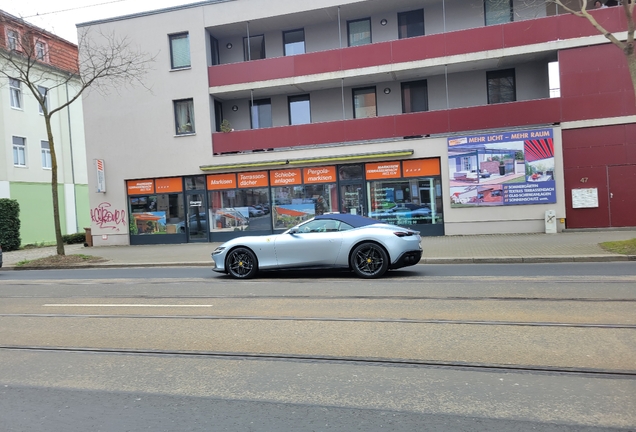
pixel 218 207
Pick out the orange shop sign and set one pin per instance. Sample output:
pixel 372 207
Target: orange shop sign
pixel 325 174
pixel 139 187
pixel 166 185
pixel 383 170
pixel 285 177
pixel 421 167
pixel 221 181
pixel 252 179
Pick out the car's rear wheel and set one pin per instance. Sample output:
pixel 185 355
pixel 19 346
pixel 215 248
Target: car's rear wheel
pixel 241 263
pixel 369 260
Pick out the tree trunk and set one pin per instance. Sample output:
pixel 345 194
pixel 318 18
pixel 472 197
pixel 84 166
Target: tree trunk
pixel 56 205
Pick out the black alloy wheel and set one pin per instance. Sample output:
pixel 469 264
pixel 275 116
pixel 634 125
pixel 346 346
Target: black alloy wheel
pixel 369 260
pixel 241 263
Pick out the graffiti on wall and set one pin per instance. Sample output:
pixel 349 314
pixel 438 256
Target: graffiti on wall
pixel 106 218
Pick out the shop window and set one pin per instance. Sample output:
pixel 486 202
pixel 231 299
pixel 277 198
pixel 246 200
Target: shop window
pixel 359 32
pixel 184 116
pixel 501 86
pixel 299 110
pixel 405 201
pixel 157 214
pixel 46 154
pixel 411 24
pixel 295 204
pixel 180 51
pixel 261 113
pixel 414 96
pixel 498 11
pixel 195 183
pixel 240 210
pixel 294 42
pixel 254 47
pixel 350 172
pixel 364 102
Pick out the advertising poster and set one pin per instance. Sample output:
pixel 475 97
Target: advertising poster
pixel 502 169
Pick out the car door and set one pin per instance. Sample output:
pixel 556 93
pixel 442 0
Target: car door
pixel 314 244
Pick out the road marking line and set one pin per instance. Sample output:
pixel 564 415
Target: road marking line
pixel 126 305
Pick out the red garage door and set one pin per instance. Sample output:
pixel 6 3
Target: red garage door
pixel 622 181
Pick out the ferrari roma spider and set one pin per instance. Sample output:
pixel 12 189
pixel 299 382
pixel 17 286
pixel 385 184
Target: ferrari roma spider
pixel 361 244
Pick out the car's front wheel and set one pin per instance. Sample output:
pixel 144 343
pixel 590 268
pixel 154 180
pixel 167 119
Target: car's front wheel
pixel 241 263
pixel 369 260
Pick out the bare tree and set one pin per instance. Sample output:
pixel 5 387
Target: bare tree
pixel 37 62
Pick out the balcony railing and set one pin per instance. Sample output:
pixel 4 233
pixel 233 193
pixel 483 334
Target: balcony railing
pixel 516 34
pixel 541 111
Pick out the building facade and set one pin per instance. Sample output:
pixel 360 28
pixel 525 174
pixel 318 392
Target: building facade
pixel 25 152
pixel 437 115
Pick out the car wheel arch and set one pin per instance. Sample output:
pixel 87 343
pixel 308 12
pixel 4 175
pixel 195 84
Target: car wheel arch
pixel 229 253
pixel 354 246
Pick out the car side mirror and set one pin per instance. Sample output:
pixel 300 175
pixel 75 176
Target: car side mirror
pixel 293 230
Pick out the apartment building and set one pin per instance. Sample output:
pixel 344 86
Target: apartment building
pixel 435 114
pixel 25 151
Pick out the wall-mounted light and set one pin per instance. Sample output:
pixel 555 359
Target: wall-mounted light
pixel 387 90
pixel 383 22
pixel 234 108
pixel 228 46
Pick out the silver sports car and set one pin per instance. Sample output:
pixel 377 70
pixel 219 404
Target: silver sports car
pixel 364 245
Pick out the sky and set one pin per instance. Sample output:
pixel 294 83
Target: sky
pixel 60 16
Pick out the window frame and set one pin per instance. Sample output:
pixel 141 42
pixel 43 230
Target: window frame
pixel 349 31
pixel 299 98
pixel 285 44
pixel 403 85
pixel 15 46
pixel 175 103
pixel 247 54
pixel 499 74
pixel 406 14
pixel 258 103
pixel 45 50
pixel 353 100
pixel 46 99
pixel 512 16
pixel 176 36
pixel 15 94
pixel 46 155
pixel 17 149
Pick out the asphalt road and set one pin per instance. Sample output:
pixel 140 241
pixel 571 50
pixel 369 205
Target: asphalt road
pixel 548 347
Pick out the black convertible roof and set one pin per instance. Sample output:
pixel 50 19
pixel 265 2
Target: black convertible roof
pixel 353 220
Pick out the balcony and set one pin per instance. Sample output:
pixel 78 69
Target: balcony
pixel 514 114
pixel 436 46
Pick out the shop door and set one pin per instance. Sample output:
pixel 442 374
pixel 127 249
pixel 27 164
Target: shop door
pixel 352 199
pixel 622 203
pixel 197 217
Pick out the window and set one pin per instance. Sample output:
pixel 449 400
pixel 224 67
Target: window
pixel 364 102
pixel 41 51
pixel 46 154
pixel 296 203
pixel 261 113
pixel 12 40
pixel 19 151
pixel 501 86
pixel 359 32
pixel 414 96
pixel 299 110
pixel 184 116
pixel 407 201
pixel 15 88
pixel 254 49
pixel 44 92
pixel 240 210
pixel 411 24
pixel 179 51
pixel 157 214
pixel 214 51
pixel 498 11
pixel 294 42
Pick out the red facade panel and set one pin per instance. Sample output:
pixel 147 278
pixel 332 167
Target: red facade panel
pixel 474 40
pixel 529 32
pixel 320 62
pixel 369 128
pixel 422 123
pixel 366 55
pixel 418 48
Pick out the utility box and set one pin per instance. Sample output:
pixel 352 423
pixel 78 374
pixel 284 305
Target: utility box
pixel 89 238
pixel 550 222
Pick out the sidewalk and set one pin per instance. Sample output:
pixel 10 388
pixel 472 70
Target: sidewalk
pixel 497 248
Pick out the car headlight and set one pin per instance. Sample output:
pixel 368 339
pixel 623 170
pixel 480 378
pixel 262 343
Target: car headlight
pixel 218 250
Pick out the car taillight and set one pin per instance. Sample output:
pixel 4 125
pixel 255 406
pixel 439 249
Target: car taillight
pixel 403 233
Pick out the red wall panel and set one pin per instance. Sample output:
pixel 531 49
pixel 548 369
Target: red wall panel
pixel 530 32
pixel 422 123
pixel 474 40
pixel 320 62
pixel 366 55
pixel 418 48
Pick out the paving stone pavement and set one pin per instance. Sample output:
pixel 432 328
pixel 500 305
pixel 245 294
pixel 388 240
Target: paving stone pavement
pixel 565 246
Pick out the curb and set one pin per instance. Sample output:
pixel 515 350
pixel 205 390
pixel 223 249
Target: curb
pixel 480 260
